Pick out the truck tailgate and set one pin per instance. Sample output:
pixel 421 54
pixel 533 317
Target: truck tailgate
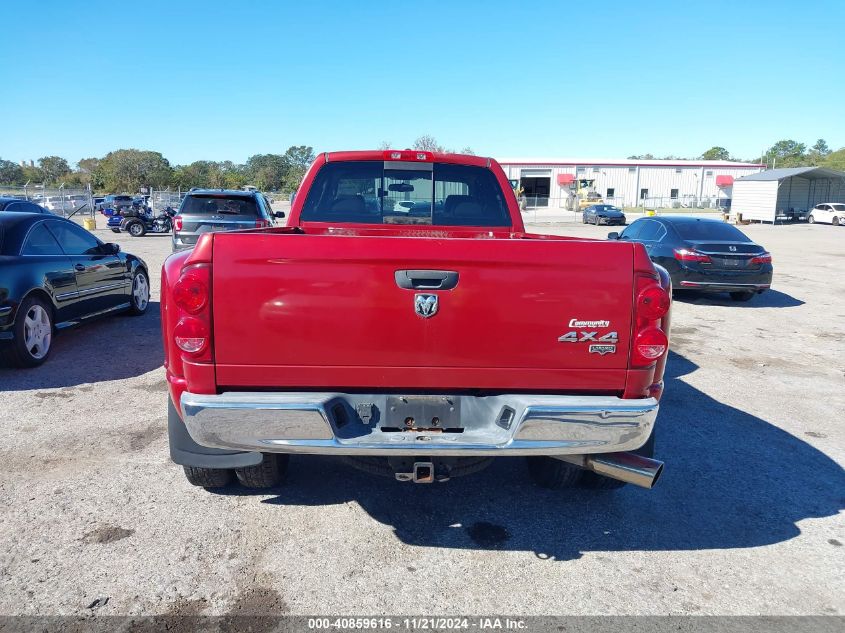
pixel 300 310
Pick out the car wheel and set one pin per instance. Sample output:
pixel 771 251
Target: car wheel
pixel 744 295
pixel 208 477
pixel 835 221
pixel 583 219
pixel 811 220
pixel 554 474
pixel 594 481
pixel 136 229
pixel 267 474
pixel 139 299
pixel 33 332
pixel 115 230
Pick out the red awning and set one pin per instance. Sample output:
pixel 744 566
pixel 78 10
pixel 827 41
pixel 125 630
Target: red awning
pixel 724 181
pixel 565 179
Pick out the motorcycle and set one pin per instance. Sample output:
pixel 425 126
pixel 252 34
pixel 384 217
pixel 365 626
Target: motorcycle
pixel 163 222
pixel 139 220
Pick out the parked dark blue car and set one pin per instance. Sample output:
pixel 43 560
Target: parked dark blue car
pixel 20 206
pixel 53 274
pixel 603 214
pixel 703 254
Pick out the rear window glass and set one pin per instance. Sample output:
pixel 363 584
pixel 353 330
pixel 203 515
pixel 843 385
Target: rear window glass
pixel 703 230
pixel 219 205
pixel 376 192
pixel 41 242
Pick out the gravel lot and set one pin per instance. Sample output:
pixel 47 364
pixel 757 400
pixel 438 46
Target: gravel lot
pixel 746 519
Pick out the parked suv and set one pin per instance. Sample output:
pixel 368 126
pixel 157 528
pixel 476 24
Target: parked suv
pixel 113 203
pixel 210 210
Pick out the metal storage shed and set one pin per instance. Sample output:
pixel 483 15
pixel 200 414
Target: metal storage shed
pixel 780 193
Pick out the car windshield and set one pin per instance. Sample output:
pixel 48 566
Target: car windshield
pixel 709 230
pixel 838 207
pixel 376 192
pixel 219 205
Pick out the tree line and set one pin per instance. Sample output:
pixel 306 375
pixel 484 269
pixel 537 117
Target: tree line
pixel 785 153
pixel 127 170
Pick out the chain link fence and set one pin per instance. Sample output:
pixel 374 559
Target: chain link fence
pixel 159 200
pixel 544 209
pixel 63 201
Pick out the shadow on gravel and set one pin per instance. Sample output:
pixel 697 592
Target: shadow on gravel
pixel 731 481
pixel 768 299
pixel 110 348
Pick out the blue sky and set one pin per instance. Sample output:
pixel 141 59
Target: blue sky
pixel 225 80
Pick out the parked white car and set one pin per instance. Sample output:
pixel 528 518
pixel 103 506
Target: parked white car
pixel 66 204
pixel 828 213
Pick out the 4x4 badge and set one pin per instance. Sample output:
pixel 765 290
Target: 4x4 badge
pixel 589 337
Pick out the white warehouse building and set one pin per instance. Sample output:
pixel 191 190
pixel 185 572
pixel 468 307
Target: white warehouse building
pixel 548 182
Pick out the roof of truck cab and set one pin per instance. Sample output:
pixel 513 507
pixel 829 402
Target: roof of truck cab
pixel 222 192
pixel 385 154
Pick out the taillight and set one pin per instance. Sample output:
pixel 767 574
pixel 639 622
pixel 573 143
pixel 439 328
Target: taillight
pixel 653 302
pixel 192 298
pixel 177 223
pixel 650 344
pixel 651 305
pixel 686 255
pixel 191 292
pixel 191 335
pixel 765 258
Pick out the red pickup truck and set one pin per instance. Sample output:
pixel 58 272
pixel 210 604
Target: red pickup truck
pixel 405 320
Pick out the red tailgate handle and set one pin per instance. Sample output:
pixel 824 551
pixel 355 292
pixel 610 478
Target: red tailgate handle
pixel 426 279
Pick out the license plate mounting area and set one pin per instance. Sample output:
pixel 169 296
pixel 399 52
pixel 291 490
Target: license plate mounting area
pixel 424 413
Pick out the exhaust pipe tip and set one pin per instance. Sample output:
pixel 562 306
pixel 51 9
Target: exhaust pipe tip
pixel 628 467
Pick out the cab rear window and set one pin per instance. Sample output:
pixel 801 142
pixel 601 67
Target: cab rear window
pixel 378 192
pixel 219 205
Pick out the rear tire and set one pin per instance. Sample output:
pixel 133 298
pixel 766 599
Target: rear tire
pixel 33 332
pixel 553 474
pixel 742 296
pixel 811 220
pixel 136 229
pixel 208 477
pixel 113 230
pixel 267 474
pixel 835 221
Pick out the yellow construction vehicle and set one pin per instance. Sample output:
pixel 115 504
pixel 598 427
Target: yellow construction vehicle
pixel 582 194
pixel 586 193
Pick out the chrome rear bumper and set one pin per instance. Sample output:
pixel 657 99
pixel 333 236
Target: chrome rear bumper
pixel 353 424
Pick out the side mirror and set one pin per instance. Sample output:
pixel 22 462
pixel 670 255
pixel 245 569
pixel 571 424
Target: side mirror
pixel 613 235
pixel 112 248
pixel 278 214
